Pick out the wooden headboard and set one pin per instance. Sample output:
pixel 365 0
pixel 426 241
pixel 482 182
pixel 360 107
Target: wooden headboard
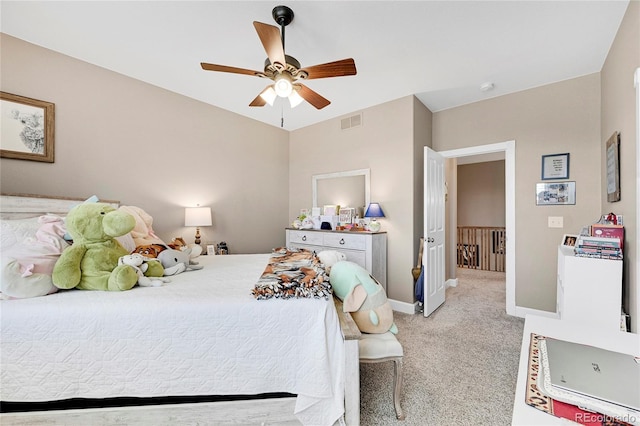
pixel 20 206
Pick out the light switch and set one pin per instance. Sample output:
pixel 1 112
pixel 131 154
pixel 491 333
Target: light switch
pixel 556 221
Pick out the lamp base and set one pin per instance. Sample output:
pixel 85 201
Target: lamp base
pixel 374 226
pixel 197 236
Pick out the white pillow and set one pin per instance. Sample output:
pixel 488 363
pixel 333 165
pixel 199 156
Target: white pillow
pixel 15 231
pixel 28 256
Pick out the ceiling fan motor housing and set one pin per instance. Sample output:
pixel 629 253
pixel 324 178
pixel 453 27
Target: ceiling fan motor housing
pixel 292 67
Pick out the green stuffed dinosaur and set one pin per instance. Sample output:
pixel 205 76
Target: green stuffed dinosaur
pixel 91 263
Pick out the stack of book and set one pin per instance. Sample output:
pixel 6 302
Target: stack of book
pixel 598 247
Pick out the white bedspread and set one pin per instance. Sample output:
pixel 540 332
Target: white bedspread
pixel 201 334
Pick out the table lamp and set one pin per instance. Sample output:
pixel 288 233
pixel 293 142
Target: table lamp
pixel 197 216
pixel 374 211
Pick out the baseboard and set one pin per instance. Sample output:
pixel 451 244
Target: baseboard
pixel 451 283
pixel 522 312
pixel 404 307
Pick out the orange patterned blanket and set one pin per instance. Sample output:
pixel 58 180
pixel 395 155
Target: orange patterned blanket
pixel 293 273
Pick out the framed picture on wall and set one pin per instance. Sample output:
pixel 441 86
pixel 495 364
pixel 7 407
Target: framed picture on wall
pixel 613 168
pixel 556 193
pixel 27 127
pixel 555 166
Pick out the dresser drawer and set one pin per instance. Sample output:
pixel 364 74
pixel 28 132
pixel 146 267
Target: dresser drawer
pixel 302 237
pixel 345 241
pixel 355 256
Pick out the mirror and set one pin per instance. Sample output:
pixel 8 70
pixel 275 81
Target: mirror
pixel 346 189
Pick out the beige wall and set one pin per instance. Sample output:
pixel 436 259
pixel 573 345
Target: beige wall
pixel 619 114
pixel 422 130
pixel 126 140
pixel 481 196
pixel 384 143
pixel 557 118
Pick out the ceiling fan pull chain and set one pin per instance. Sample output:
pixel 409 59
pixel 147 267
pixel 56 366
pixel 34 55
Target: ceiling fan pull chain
pixel 281 115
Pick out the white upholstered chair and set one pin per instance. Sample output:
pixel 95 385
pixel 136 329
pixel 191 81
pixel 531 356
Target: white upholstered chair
pixel 381 348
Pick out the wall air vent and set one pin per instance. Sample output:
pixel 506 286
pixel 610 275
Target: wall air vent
pixel 349 122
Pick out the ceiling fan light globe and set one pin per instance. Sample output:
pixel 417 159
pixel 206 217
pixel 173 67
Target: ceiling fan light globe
pixel 295 99
pixel 283 86
pixel 269 95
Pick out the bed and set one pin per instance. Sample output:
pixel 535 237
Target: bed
pixel 203 334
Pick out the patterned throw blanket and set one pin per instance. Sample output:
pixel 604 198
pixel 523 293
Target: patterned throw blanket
pixel 293 273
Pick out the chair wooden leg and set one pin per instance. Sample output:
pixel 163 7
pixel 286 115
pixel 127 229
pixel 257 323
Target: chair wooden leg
pixel 397 387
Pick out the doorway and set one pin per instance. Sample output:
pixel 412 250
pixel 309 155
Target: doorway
pixel 508 150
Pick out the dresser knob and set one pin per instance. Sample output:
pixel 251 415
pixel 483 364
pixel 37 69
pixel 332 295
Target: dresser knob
pixel 341 241
pixel 304 238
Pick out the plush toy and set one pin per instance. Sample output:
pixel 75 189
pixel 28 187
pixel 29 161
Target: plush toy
pixel 142 232
pixel 363 296
pixel 141 264
pixel 330 258
pixel 177 243
pixel 177 261
pixel 91 263
pixel 149 250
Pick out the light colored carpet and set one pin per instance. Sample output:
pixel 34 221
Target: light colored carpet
pixel 460 364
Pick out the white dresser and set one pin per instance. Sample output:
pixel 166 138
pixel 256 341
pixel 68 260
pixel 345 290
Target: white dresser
pixel 589 290
pixel 367 249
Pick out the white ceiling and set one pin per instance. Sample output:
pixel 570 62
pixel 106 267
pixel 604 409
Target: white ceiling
pixel 440 51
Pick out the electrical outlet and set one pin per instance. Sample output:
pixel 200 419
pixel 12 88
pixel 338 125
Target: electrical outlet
pixel 556 221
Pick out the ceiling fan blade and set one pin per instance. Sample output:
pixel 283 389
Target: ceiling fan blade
pixel 312 97
pixel 270 38
pixel 234 70
pixel 258 102
pixel 340 68
pixel 261 99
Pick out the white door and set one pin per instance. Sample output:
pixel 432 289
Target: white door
pixel 434 227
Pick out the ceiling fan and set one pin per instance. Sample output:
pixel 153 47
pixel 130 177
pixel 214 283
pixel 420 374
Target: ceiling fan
pixel 285 70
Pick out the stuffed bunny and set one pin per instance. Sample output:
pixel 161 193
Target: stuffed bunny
pixel 139 263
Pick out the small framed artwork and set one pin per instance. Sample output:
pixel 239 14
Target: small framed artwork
pixel 555 166
pixel 346 215
pixel 330 210
pixel 27 128
pixel 556 193
pixel 613 168
pixel 211 250
pixel 569 240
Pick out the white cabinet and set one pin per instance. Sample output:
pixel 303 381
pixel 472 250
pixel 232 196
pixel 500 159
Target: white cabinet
pixel 367 249
pixel 589 290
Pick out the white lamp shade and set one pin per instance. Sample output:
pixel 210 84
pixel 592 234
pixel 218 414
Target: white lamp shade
pixel 283 86
pixel 295 99
pixel 269 95
pixel 197 216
